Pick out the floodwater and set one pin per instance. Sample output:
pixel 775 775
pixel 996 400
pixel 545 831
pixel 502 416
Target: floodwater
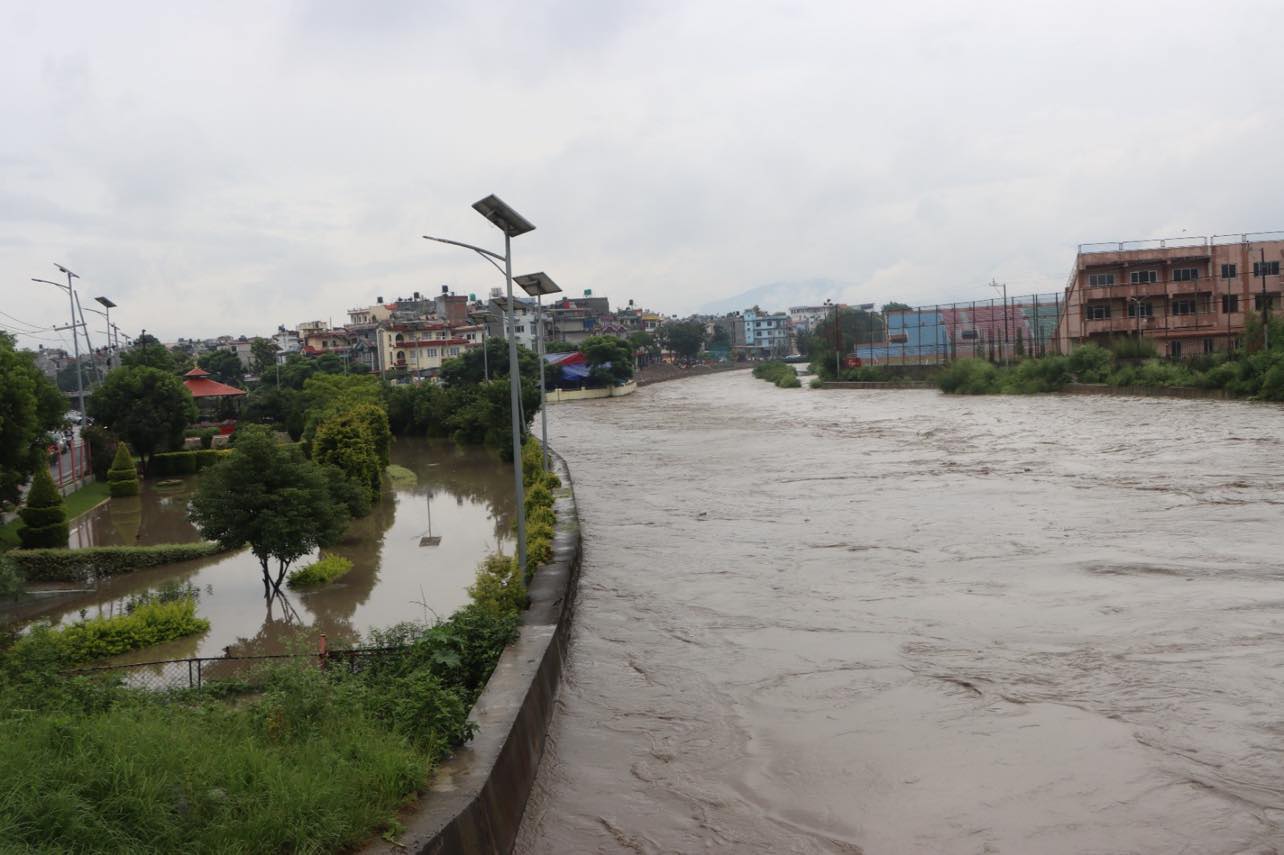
pixel 467 492
pixel 898 622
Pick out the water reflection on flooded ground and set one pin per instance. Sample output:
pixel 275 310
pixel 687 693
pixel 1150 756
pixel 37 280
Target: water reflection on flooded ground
pixel 467 491
pixel 898 622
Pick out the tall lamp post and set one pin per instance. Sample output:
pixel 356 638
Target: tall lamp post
pixel 75 343
pixel 512 224
pixel 537 285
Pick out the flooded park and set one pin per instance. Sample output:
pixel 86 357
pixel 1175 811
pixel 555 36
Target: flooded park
pixel 413 558
pixel 816 621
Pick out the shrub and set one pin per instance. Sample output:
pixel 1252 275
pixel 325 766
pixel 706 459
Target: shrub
pixel 780 373
pixel 122 477
pixel 1132 347
pixel 43 516
pixel 1090 363
pixel 148 624
pixel 11 582
pixel 319 572
pixel 499 588
pixel 816 383
pixel 969 377
pixel 82 565
pixel 1032 376
pixel 538 496
pixel 789 381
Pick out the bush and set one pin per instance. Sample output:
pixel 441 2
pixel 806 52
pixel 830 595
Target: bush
pixel 816 383
pixel 969 377
pixel 82 565
pixel 11 582
pixel 148 624
pixel 319 572
pixel 1090 363
pixel 184 462
pixel 44 517
pixel 1132 347
pixel 780 373
pixel 789 382
pixel 499 587
pixel 1033 376
pixel 122 477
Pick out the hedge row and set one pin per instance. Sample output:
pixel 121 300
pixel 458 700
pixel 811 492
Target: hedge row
pixel 184 462
pixel 81 565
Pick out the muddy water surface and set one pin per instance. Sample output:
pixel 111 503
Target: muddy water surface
pixel 467 492
pixel 896 622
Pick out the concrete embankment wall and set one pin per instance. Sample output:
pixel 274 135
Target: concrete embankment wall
pixel 663 371
pixel 559 395
pixel 1148 391
pixel 876 384
pixel 476 798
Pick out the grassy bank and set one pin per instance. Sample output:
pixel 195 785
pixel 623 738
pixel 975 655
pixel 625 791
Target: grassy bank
pixel 1257 375
pixel 77 503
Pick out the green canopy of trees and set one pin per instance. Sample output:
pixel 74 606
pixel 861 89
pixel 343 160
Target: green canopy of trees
pixel 271 497
pixel 225 366
pixel 148 352
pixel 262 355
pixel 30 408
pixel 146 406
pixel 610 359
pixel 684 338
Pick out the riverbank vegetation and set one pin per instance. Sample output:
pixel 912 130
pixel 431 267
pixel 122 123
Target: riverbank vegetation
pixel 320 572
pixel 780 373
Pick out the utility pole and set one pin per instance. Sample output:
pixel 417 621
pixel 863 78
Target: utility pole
pixel 75 342
pixel 1007 323
pixel 1266 303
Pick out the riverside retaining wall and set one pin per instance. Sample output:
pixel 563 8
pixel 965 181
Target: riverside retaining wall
pixel 475 801
pixel 1148 391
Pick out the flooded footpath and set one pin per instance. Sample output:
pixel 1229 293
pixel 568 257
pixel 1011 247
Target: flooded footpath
pixel 898 622
pixel 462 496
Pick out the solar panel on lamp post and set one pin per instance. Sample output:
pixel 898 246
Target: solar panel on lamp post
pixel 108 305
pixel 512 224
pixel 537 285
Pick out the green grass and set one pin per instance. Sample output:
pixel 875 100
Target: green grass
pixel 84 499
pixel 149 623
pixel 319 572
pixel 400 476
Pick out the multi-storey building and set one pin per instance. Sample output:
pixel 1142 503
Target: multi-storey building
pixel 806 318
pixel 420 347
pixel 766 334
pixel 1189 295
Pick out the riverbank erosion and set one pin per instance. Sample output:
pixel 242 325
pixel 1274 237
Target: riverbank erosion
pixel 903 622
pixel 475 801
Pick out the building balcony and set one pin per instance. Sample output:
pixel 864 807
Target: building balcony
pixel 1154 325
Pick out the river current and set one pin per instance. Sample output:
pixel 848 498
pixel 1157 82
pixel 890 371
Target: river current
pixel 899 622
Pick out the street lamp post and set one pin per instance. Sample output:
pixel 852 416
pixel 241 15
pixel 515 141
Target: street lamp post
pixel 108 305
pixel 75 343
pixel 512 224
pixel 537 285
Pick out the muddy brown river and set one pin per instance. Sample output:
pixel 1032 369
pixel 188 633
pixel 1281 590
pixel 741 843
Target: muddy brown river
pixel 898 622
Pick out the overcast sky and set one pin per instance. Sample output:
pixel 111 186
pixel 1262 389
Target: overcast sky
pixel 227 167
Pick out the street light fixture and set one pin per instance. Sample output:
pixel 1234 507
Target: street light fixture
pixel 512 224
pixel 75 342
pixel 112 344
pixel 537 285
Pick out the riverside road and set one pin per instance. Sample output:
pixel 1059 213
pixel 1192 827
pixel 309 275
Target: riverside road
pixel 898 622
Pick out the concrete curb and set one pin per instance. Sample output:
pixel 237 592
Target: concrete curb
pixel 475 801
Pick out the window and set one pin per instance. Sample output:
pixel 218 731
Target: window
pixel 1098 312
pixel 1174 349
pixel 1146 310
pixel 1230 303
pixel 1228 271
pixel 1143 277
pixel 432 351
pixel 1272 268
pixel 521 327
pixel 1263 300
pixel 1100 280
pixel 1208 345
pixel 1183 307
pixel 1186 274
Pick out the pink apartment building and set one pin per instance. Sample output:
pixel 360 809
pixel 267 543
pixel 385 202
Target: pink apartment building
pixel 1190 295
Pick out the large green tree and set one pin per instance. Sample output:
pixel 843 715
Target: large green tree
pixel 469 367
pixel 684 338
pixel 262 355
pixel 610 359
pixel 225 366
pixel 30 407
pixel 269 496
pixel 146 406
pixel 149 352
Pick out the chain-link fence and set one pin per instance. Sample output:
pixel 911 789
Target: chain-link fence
pixel 199 671
pixel 999 329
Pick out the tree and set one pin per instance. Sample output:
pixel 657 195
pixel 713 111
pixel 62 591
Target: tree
pixel 43 516
pixel 684 338
pixel 66 378
pixel 262 355
pixel 147 351
pixel 330 363
pixel 225 366
pixel 146 406
pixel 346 441
pixel 609 358
pixel 896 307
pixel 469 369
pixel 30 408
pixel 721 338
pixel 645 346
pixel 122 477
pixel 272 498
pixel 857 328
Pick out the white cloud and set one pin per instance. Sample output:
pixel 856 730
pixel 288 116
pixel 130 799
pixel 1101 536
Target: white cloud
pixel 230 167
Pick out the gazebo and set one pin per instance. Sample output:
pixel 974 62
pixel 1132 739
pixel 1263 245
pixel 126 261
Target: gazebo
pixel 210 394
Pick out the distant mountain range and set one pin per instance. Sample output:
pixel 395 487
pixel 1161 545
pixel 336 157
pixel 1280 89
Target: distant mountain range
pixel 779 296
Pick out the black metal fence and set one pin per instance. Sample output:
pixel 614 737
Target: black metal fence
pixel 199 671
pixel 999 329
